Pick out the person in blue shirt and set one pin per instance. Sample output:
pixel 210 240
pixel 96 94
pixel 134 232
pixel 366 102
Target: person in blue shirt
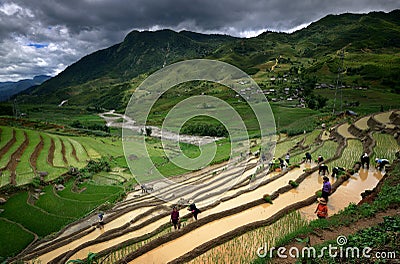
pixel 381 163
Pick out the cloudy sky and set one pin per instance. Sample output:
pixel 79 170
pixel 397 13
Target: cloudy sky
pixel 45 36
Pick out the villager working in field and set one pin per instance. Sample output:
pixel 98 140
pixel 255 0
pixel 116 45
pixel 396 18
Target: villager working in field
pixel 337 170
pixel 272 162
pixel 101 218
pixel 365 160
pixel 146 188
pixel 322 208
pixel 287 158
pixel 320 159
pixel 263 157
pixel 195 211
pixel 175 218
pixel 308 157
pixel 357 166
pixel 381 163
pixel 326 188
pixel 282 163
pixel 324 169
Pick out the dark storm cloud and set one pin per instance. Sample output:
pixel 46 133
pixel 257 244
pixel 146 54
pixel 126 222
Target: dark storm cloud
pixel 44 36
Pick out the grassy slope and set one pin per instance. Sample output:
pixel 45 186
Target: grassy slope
pixel 6 135
pixel 17 237
pixel 49 214
pixel 42 163
pixel 24 169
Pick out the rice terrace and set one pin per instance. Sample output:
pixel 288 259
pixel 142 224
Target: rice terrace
pixel 75 186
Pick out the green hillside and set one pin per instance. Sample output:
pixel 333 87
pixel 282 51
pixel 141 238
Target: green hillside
pixel 106 78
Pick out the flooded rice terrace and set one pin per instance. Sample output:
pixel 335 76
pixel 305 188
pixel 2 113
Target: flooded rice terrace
pixel 348 193
pixel 142 219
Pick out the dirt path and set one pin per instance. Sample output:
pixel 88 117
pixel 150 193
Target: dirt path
pixel 332 234
pixel 35 154
pixel 276 64
pixel 74 151
pixel 50 156
pixel 63 152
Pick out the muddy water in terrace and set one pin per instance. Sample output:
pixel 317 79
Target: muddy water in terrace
pixel 383 117
pixel 343 130
pixel 362 123
pixel 349 192
pixel 93 235
pixel 253 195
pixel 314 180
pixel 245 198
pixel 102 246
pixel 188 242
pixel 116 223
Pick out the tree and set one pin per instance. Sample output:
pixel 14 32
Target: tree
pixel 148 131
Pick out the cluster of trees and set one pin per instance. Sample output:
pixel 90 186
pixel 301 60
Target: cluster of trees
pixel 93 167
pixel 205 129
pixel 96 127
pixel 312 100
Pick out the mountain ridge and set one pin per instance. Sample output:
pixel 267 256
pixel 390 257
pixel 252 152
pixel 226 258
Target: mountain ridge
pixel 8 89
pixel 105 77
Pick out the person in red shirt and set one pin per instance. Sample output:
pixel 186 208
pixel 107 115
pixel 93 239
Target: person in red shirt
pixel 175 218
pixel 322 208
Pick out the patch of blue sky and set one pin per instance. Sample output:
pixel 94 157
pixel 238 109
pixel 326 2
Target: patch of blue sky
pixel 38 45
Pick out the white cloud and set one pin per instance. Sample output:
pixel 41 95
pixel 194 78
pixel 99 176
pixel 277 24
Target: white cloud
pixel 12 9
pixel 64 31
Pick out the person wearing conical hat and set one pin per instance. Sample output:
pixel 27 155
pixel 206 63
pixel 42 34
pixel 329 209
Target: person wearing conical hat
pixel 324 169
pixel 322 208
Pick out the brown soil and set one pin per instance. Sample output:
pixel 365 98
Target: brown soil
pixel 7 146
pixel 74 152
pixel 50 156
pixel 20 122
pixel 13 163
pixel 35 153
pixel 332 234
pixel 63 152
